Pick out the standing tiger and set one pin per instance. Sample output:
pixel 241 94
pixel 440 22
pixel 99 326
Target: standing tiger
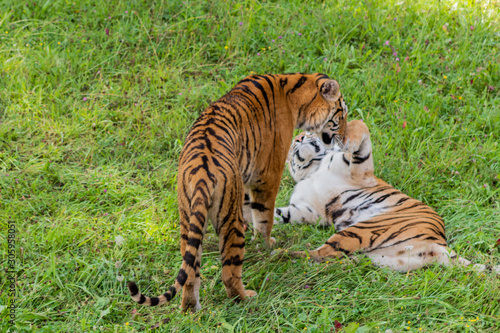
pixel 338 187
pixel 236 151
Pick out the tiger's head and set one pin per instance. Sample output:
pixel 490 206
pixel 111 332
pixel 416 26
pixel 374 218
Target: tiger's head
pixel 334 130
pixel 320 106
pixel 305 155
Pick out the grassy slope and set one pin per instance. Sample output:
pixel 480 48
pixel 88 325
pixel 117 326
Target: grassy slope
pixel 92 124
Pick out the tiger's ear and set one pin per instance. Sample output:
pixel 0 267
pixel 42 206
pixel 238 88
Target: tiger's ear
pixel 331 90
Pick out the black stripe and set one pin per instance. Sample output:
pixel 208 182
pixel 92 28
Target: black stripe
pixel 400 201
pixel 194 242
pixel 271 85
pixel 299 84
pixel 334 200
pixel 258 206
pixel 322 76
pixel 359 160
pixel 350 234
pixel 194 228
pixel 382 198
pixel 182 277
pixel 205 167
pixel 336 247
pixel 345 160
pixel 189 258
pixel 234 261
pixel 216 162
pixel 263 91
pixel 173 291
pixel 363 188
pixel 142 300
pixel 132 287
pixel 396 243
pixel 248 91
pixel 154 301
pixel 352 197
pixel 306 105
pixel 337 213
pixel 231 231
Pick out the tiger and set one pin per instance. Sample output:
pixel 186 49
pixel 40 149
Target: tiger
pixel 235 153
pixel 338 187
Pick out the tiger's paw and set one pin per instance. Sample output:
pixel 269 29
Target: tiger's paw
pixel 298 254
pixel 312 255
pixel 271 241
pixel 192 306
pixel 356 133
pixel 282 215
pixel 193 309
pixel 284 253
pixel 250 293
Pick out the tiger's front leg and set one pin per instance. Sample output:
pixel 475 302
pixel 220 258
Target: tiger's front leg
pixel 247 211
pixel 299 214
pixel 262 207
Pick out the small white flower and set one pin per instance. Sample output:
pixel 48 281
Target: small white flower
pixel 119 278
pixel 118 264
pixel 408 248
pixel 119 240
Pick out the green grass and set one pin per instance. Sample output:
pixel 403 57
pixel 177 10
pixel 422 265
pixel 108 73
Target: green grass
pixel 91 126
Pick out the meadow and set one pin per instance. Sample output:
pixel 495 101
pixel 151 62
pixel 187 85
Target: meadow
pixel 96 98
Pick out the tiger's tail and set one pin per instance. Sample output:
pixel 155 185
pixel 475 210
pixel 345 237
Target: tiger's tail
pixel 200 202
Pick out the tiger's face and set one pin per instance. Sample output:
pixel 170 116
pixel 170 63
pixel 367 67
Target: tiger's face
pixel 305 155
pixel 334 130
pixel 314 113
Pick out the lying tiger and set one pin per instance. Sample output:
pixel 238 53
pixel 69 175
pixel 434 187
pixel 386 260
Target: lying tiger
pixel 338 187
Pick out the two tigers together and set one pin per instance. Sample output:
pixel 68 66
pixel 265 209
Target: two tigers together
pixel 235 153
pixel 230 170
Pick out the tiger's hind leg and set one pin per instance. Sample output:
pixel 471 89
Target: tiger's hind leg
pixel 413 255
pixel 410 255
pixel 341 243
pixel 191 290
pixel 232 247
pixel 453 259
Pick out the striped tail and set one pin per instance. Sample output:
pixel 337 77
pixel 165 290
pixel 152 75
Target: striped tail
pixel 199 206
pixel 152 301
